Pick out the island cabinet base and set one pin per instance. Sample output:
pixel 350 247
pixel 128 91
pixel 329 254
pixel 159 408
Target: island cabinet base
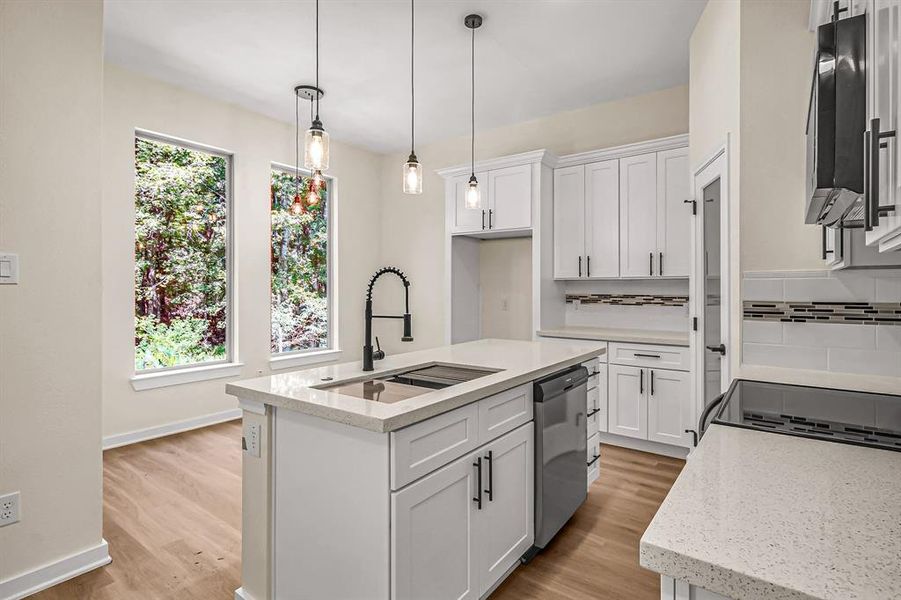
pixel 673 589
pixel 354 516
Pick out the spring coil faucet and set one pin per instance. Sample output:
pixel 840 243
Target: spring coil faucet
pixel 370 355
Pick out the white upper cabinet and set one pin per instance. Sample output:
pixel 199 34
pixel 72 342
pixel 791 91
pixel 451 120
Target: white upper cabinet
pixel 569 221
pixel 884 98
pixel 468 220
pixel 638 215
pixel 509 197
pixel 673 214
pixel 602 219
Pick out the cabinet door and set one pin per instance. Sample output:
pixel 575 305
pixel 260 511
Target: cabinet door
pixel 433 554
pixel 505 528
pixel 510 197
pixel 884 40
pixel 669 407
pixel 468 220
pixel 628 401
pixel 673 215
pixel 602 219
pixel 569 222
pixel 638 215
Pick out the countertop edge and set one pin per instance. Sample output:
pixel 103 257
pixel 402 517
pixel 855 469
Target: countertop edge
pixel 601 336
pixel 416 415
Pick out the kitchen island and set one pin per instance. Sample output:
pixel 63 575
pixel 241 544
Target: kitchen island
pixel 757 515
pixel 429 491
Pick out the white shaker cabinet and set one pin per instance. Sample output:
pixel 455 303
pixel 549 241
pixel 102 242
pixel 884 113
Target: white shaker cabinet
pixel 586 221
pixel 569 221
pixel 468 220
pixel 673 214
pixel 884 98
pixel 509 197
pixel 458 531
pixel 638 215
pixel 669 406
pixel 628 402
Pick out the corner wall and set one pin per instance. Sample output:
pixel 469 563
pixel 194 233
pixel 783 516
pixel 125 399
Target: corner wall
pixel 50 382
pixel 135 101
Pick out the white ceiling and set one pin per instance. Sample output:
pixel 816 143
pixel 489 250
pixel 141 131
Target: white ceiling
pixel 533 57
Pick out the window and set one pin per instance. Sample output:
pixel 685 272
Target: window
pixel 301 316
pixel 181 254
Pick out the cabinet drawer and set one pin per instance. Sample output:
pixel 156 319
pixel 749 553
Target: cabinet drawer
pixel 504 412
pixel 422 448
pixel 645 355
pixel 594 395
pixel 592 366
pixel 593 456
pixel 592 422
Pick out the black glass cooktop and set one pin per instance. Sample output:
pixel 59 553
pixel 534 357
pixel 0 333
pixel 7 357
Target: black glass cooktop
pixel 861 418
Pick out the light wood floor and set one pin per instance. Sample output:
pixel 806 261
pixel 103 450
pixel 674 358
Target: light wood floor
pixel 172 517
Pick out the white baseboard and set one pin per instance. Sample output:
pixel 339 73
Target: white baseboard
pixel 142 435
pixel 49 575
pixel 241 594
pixel 643 445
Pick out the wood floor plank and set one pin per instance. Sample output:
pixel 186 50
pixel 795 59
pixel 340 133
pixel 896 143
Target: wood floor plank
pixel 172 517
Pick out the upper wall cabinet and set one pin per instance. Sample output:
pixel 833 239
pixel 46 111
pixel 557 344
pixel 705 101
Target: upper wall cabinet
pixel 625 216
pixel 586 220
pixel 506 201
pixel 884 98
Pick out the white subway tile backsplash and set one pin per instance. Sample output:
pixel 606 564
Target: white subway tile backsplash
pixel 789 357
pixel 888 289
pixel 762 332
pixel 763 289
pixel 830 335
pixel 869 362
pixel 829 289
pixel 888 338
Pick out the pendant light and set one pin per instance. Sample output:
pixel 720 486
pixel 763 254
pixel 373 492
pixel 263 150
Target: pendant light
pixel 473 193
pixel 412 168
pixel 315 147
pixel 317 181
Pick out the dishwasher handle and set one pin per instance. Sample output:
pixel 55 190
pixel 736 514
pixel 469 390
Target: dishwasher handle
pixel 560 383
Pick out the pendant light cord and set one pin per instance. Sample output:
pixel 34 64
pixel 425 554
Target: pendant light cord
pixel 473 106
pixel 412 87
pixel 317 61
pixel 296 144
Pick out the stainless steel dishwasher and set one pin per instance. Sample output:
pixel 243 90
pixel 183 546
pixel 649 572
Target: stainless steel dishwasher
pixel 561 471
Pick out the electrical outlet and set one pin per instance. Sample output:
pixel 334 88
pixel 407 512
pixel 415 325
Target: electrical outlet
pixel 9 509
pixel 251 441
pixel 505 304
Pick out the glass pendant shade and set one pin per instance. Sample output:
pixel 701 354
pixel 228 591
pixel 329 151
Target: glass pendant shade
pixel 312 197
pixel 296 205
pixel 315 148
pixel 412 176
pixel 473 194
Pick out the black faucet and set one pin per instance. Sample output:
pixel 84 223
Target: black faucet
pixel 368 354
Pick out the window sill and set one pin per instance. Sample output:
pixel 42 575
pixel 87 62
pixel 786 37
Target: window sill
pixel 303 359
pixel 149 381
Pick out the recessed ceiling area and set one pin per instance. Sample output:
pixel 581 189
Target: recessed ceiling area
pixel 532 58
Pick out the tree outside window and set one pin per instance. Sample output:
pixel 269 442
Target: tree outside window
pixel 300 265
pixel 181 260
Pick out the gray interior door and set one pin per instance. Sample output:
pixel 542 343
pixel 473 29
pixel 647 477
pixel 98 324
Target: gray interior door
pixel 712 291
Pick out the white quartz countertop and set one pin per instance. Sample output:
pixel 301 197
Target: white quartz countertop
pixel 518 362
pixel 615 334
pixel 757 515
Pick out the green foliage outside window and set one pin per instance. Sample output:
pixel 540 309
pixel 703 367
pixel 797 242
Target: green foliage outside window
pixel 299 262
pixel 181 213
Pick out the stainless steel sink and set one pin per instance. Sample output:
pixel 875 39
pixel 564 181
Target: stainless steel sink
pixel 408 384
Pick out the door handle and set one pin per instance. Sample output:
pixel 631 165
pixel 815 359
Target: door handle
pixel 721 349
pixel 478 498
pixel 490 490
pixel 651 263
pixel 580 266
pixel 694 437
pixel 588 261
pixel 641 381
pixel 660 265
pixel 490 213
pixel 652 382
pixel 483 219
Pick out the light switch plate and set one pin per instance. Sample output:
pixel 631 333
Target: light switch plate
pixel 9 268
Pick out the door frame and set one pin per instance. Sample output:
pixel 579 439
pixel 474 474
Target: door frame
pixel 713 168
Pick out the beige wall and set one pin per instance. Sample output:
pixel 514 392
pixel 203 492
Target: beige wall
pixel 412 227
pixel 505 280
pixel 777 52
pixel 50 95
pixel 134 101
pixel 715 120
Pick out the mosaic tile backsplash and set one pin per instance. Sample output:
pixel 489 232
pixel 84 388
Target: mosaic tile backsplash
pixel 860 313
pixel 628 299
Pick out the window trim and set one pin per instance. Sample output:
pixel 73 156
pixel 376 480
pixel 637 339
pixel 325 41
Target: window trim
pixel 332 352
pixel 141 377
